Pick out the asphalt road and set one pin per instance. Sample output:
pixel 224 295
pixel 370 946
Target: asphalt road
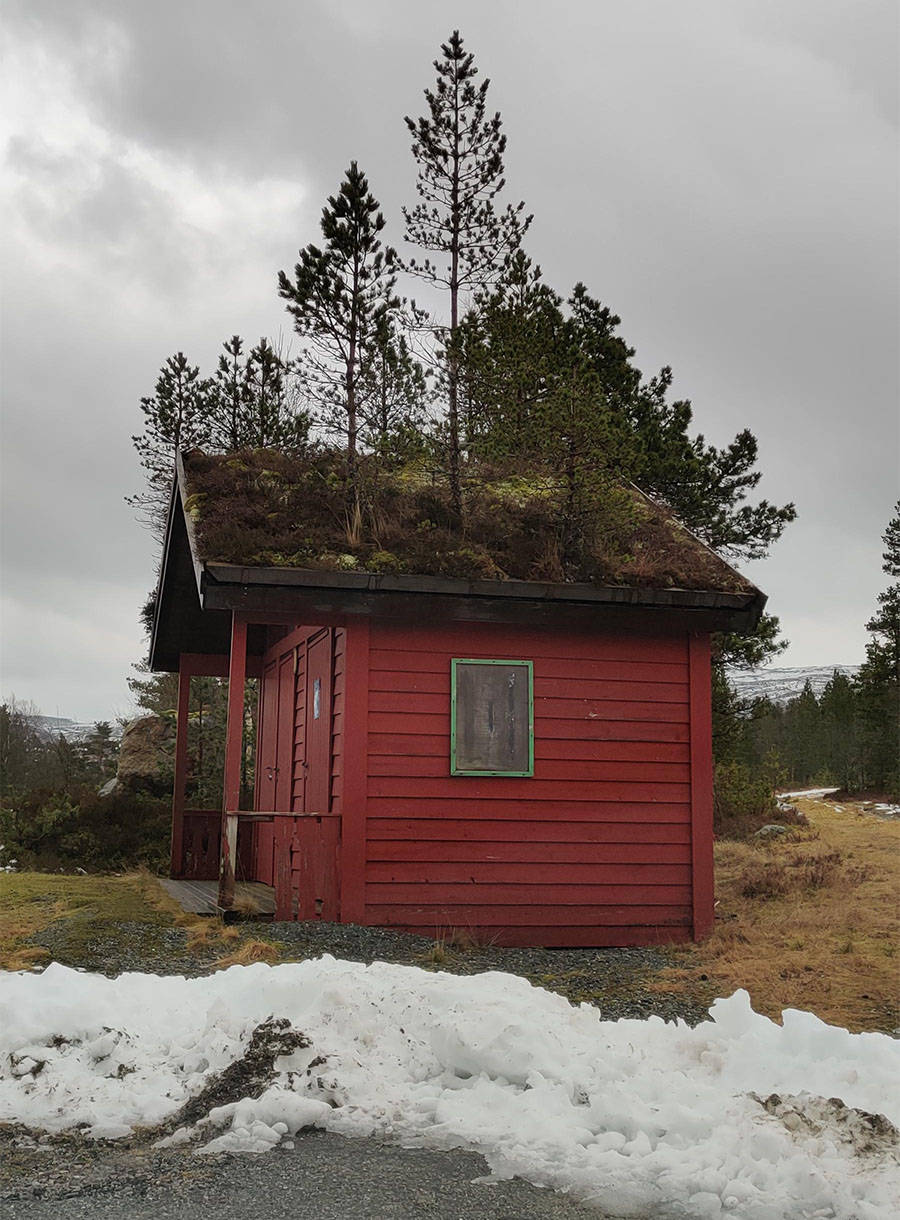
pixel 324 1177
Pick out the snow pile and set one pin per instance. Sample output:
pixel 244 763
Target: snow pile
pixel 637 1116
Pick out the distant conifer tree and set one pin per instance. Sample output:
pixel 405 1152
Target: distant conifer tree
pixel 878 680
pixel 176 416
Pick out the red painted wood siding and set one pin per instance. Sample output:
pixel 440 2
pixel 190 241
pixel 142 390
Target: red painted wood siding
pixel 595 848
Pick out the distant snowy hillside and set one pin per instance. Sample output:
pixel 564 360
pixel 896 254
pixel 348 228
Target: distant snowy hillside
pixel 782 684
pixel 49 727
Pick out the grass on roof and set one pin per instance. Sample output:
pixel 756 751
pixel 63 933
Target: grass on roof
pixel 268 509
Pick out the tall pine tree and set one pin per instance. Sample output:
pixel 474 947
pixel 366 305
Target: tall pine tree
pixel 339 296
pixel 459 150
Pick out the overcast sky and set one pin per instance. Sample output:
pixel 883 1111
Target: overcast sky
pixel 723 175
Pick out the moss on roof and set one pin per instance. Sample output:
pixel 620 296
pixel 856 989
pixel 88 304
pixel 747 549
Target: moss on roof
pixel 269 509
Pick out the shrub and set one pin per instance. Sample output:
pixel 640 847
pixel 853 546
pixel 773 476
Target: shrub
pixel 743 801
pixel 85 830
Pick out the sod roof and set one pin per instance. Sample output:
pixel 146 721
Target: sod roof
pixel 269 510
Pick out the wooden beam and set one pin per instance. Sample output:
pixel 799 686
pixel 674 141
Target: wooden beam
pixel 179 783
pixel 339 606
pixel 215 664
pixel 265 815
pixel 354 775
pixel 703 888
pixel 229 854
pixel 234 737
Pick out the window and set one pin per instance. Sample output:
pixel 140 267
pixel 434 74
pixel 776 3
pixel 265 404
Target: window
pixel 491 718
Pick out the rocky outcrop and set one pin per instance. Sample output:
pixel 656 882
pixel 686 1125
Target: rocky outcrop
pixel 145 757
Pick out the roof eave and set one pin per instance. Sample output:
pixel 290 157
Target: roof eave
pixel 223 575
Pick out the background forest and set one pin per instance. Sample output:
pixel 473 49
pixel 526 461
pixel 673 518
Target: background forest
pixel 500 374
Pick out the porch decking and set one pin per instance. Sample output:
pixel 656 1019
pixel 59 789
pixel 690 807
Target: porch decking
pixel 200 897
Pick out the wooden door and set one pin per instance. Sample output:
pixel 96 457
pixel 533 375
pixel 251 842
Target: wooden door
pixel 317 789
pixel 275 762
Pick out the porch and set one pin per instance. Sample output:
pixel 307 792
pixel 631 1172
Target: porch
pixel 202 897
pixel 279 842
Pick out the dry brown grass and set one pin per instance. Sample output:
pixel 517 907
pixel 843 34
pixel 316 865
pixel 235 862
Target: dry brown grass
pixel 809 923
pixel 203 931
pixel 249 951
pixel 31 901
pixel 245 905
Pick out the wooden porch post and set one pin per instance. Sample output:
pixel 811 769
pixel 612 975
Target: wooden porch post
pixel 179 782
pixel 234 736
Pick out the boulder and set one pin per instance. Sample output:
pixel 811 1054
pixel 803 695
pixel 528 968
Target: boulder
pixel 771 831
pixel 145 757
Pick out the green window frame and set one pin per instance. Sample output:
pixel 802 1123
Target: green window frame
pixel 528 667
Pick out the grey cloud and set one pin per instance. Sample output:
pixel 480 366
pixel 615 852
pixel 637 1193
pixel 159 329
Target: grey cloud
pixel 723 176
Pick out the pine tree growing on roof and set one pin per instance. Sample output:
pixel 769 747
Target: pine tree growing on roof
pixel 339 297
pixel 459 150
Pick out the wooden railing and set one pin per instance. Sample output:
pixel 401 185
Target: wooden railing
pixel 285 824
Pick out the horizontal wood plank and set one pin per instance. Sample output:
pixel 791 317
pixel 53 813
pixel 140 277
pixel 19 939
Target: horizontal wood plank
pixel 497 893
pixel 415 833
pixel 525 810
pixel 559 936
pixel 417 703
pixel 493 788
pixel 576 770
pixel 464 915
pixel 423 745
pixel 498 641
pixel 541 877
pixel 571 853
pixel 437 724
pixel 410 661
pixel 544 688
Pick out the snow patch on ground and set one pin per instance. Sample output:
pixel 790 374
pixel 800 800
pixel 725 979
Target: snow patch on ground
pixel 812 793
pixel 739 1116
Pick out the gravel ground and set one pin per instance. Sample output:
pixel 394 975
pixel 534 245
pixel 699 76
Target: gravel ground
pixel 113 947
pixel 613 979
pixel 324 1177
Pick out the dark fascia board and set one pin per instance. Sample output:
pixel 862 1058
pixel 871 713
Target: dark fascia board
pixel 163 568
pixel 245 578
pixel 181 484
pixel 176 504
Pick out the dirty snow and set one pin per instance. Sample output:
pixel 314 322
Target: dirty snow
pixel 812 793
pixel 739 1116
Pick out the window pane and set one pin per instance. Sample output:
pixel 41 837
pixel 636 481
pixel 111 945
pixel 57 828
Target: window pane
pixel 493 716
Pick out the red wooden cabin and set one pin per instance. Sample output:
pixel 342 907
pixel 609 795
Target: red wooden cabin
pixel 559 796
